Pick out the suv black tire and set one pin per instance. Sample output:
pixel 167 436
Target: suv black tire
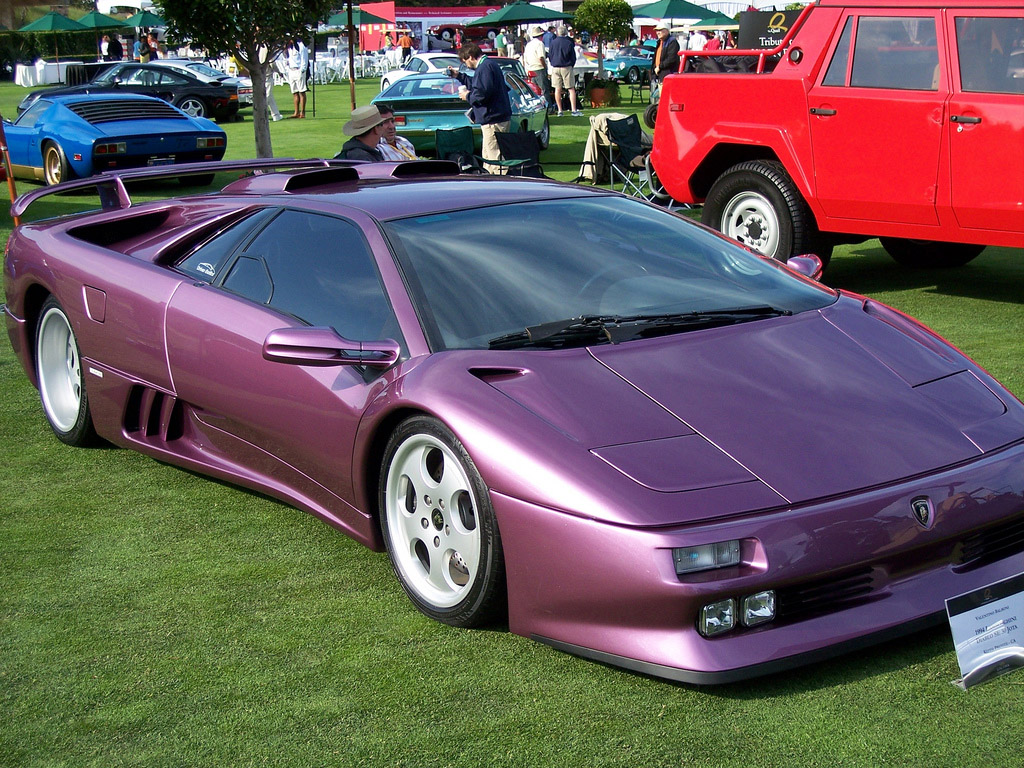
pixel 757 203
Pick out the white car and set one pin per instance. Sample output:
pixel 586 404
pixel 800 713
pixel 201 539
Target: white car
pixel 208 74
pixel 420 62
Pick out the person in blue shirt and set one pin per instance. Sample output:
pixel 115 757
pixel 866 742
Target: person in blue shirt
pixel 487 94
pixel 562 56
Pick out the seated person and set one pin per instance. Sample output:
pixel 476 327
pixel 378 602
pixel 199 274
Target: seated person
pixel 365 126
pixel 392 146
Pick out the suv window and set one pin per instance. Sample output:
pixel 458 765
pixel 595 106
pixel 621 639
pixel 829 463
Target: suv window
pixel 318 269
pixel 985 47
pixel 896 53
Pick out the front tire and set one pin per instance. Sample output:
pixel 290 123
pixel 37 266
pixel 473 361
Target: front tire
pixel 544 136
pixel 55 164
pixel 633 75
pixel 61 379
pixel 438 525
pixel 927 254
pixel 756 203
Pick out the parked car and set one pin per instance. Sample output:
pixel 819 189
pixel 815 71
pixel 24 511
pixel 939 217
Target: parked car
pixel 508 64
pixel 549 403
pixel 61 137
pixel 424 103
pixel 802 147
pixel 185 91
pixel 482 36
pixel 209 74
pixel 419 63
pixel 631 65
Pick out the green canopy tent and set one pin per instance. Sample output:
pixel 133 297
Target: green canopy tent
pixel 719 21
pixel 53 22
pixel 519 12
pixel 672 9
pixel 144 19
pixel 358 18
pixel 97 20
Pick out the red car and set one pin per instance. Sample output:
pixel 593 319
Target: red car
pixel 902 122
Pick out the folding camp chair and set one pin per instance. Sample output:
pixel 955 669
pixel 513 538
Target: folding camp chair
pixel 457 144
pixel 523 147
pixel 627 155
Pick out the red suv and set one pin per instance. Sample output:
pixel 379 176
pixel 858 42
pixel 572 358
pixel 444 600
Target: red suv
pixel 903 122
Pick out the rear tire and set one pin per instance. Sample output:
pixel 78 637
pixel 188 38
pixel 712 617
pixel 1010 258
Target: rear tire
pixel 544 136
pixel 651 115
pixel 928 254
pixel 193 106
pixel 61 378
pixel 756 203
pixel 55 164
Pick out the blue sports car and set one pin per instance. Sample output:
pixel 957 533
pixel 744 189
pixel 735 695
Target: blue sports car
pixel 425 102
pixel 65 137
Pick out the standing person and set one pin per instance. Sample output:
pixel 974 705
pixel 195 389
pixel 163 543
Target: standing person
pixel 548 38
pixel 535 60
pixel 145 51
pixel 697 42
pixel 115 51
pixel 666 55
pixel 563 59
pixel 104 48
pixel 154 46
pixel 405 43
pixel 487 95
pixel 365 126
pixel 298 63
pixel 263 54
pixel 392 146
pixel 501 43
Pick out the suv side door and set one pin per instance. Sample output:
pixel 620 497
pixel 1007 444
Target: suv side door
pixel 986 120
pixel 876 118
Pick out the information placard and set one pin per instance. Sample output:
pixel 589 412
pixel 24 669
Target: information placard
pixel 987 630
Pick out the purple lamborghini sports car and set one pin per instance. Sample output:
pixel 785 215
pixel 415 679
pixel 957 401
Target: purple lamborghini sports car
pixel 638 441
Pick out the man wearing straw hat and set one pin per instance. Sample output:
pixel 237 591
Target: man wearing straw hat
pixel 535 59
pixel 666 55
pixel 365 126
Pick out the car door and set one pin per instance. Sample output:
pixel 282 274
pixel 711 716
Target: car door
pixel 876 119
pixel 986 120
pixel 23 137
pixel 279 269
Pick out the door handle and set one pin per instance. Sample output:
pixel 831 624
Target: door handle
pixel 964 119
pixel 822 111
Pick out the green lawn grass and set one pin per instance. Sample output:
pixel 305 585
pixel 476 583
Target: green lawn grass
pixel 151 617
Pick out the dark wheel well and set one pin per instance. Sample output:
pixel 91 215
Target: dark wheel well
pixel 722 158
pixel 373 458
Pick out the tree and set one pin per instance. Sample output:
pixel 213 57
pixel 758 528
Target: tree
pixel 253 31
pixel 604 20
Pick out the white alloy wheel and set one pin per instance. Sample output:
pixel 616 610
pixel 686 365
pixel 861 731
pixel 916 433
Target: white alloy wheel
pixel 60 377
pixel 432 521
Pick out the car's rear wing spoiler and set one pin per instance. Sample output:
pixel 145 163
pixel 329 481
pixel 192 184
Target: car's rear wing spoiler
pixel 762 54
pixel 110 186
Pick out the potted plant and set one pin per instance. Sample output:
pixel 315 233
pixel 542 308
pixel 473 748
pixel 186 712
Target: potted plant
pixel 603 93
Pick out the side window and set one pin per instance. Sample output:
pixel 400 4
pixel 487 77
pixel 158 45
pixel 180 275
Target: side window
pixel 319 269
pixel 207 261
pixel 836 74
pixel 895 52
pixel 991 54
pixel 31 115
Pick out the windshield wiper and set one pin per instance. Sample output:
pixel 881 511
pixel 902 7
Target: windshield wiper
pixel 588 329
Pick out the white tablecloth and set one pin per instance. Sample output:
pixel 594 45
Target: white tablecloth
pixel 42 73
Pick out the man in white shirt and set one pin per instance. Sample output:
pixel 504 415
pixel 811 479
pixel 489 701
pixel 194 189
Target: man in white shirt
pixel 535 60
pixel 393 146
pixel 298 65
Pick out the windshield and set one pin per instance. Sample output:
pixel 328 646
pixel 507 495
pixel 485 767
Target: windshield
pixel 485 273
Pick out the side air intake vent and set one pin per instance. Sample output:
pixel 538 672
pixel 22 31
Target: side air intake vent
pixel 113 110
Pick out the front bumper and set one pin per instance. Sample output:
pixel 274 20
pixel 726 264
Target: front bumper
pixel 612 594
